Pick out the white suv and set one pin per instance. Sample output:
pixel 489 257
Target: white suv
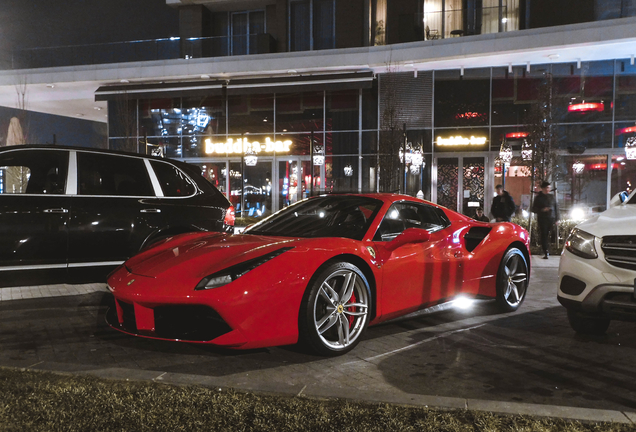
pixel 597 273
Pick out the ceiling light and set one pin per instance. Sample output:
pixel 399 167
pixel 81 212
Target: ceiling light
pixel 97 108
pixel 124 81
pixel 50 85
pixel 79 115
pixel 205 76
pixel 553 56
pixel 292 71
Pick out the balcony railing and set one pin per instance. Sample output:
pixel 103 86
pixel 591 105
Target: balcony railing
pixel 142 50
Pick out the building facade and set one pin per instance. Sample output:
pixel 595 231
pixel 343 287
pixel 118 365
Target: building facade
pixel 277 100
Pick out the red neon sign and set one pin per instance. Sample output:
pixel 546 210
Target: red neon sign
pixel 517 135
pixel 631 129
pixel 590 106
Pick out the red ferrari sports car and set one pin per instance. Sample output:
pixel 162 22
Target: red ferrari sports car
pixel 319 272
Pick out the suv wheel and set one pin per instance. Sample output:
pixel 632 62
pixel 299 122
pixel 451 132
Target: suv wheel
pixel 587 325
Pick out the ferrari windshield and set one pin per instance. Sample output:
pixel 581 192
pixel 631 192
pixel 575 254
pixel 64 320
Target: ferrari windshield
pixel 329 216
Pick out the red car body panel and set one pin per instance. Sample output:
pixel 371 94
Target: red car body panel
pixel 262 307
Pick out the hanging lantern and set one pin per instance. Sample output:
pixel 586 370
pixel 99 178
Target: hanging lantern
pixel 505 153
pixel 578 167
pixel 319 155
pixel 417 159
pixel 630 148
pixel 526 151
pixel 250 158
pixel 348 170
pixel 415 169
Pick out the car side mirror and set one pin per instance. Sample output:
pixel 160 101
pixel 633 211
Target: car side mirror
pixel 409 235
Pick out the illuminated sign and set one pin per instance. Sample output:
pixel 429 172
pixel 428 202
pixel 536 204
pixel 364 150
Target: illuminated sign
pixel 242 145
pixel 516 135
pixel 582 107
pixel 461 141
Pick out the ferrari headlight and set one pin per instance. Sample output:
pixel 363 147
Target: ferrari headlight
pixel 231 274
pixel 581 243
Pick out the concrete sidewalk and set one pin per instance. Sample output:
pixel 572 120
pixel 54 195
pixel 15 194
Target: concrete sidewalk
pixel 502 363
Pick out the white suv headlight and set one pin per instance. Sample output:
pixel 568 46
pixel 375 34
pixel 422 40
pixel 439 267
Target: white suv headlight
pixel 581 243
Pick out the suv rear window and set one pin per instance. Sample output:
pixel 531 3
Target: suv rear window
pixel 174 183
pixel 103 174
pixel 33 172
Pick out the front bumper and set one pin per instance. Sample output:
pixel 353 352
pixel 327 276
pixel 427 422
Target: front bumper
pixel 595 287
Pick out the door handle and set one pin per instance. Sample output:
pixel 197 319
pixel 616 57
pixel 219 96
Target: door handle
pixel 56 210
pixel 151 210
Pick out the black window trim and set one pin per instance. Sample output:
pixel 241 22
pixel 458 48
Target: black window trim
pixel 68 171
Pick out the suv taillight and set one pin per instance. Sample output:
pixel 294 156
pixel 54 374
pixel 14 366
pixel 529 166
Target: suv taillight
pixel 229 216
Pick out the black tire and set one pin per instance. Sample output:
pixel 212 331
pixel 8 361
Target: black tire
pixel 587 325
pixel 512 280
pixel 342 321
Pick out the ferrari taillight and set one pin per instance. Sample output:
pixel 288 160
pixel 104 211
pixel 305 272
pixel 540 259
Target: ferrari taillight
pixel 229 216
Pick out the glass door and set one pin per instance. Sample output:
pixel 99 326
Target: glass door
pixel 460 183
pixel 251 188
pixel 295 180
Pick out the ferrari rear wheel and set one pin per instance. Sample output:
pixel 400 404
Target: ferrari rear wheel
pixel 335 309
pixel 512 280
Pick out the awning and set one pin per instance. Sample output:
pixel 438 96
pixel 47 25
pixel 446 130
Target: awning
pixel 291 84
pixel 160 90
pixel 308 83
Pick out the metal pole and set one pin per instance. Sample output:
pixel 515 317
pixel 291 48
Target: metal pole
pixel 311 162
pixel 403 165
pixel 242 177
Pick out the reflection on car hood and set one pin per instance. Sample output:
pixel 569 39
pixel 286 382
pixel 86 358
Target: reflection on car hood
pixel 620 220
pixel 203 253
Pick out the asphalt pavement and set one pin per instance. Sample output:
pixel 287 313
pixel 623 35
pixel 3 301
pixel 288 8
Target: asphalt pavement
pixel 526 362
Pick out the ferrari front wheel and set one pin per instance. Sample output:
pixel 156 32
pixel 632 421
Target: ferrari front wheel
pixel 512 280
pixel 335 309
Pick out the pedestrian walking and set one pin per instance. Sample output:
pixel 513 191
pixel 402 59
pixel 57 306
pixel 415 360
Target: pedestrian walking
pixel 547 215
pixel 503 206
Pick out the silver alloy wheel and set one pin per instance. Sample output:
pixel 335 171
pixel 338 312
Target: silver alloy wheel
pixel 515 280
pixel 341 309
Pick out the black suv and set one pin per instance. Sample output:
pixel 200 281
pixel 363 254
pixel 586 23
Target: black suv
pixel 65 210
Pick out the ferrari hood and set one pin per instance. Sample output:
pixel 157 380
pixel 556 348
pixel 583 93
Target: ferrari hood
pixel 619 220
pixel 203 253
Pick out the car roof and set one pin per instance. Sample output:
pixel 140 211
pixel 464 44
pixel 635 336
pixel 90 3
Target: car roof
pixel 76 148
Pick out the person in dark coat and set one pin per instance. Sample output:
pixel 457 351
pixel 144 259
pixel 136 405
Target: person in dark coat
pixel 503 206
pixel 547 215
pixel 480 216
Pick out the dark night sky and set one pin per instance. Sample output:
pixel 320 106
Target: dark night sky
pixel 40 23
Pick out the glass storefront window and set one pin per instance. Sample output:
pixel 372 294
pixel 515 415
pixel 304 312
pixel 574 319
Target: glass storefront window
pixel 625 90
pixel 514 93
pixel 122 118
pixel 370 108
pixel 581 184
pixel 160 117
pixel 578 137
pixel 215 173
pixel 369 142
pixel 624 133
pixel 341 143
pixel 341 174
pixel 583 94
pixel 250 113
pixel 462 100
pixel 342 110
pixel 299 112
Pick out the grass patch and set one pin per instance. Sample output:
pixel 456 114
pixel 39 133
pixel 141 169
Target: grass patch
pixel 42 401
